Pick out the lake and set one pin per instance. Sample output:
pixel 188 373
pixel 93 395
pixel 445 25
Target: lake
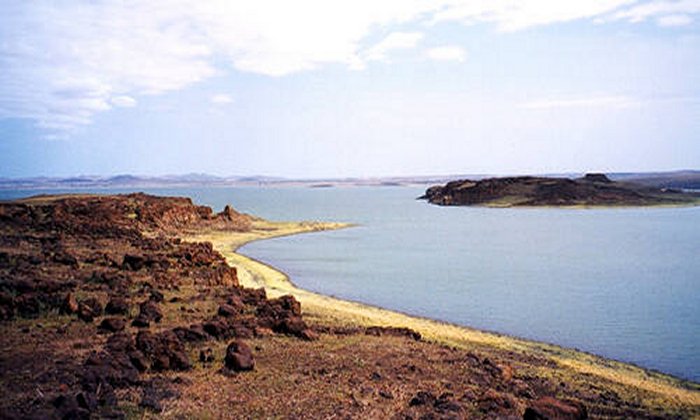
pixel 620 283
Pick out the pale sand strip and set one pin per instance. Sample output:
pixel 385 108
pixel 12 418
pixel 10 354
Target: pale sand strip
pixel 252 273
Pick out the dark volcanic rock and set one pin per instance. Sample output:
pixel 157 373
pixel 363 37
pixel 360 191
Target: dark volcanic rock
pixel 552 408
pixel 112 324
pixel 422 398
pixel 89 309
pixel 228 310
pixel 149 312
pixel 192 334
pixel 393 331
pixel 164 350
pixel 133 262
pixel 117 306
pixel 239 357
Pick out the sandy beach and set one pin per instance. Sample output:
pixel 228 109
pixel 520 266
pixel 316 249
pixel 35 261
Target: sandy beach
pixel 652 389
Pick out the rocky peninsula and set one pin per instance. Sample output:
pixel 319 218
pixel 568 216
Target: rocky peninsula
pixel 592 190
pixel 138 306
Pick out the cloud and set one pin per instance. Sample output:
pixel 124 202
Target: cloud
pixel 653 9
pixel 123 101
pixel 674 20
pixel 63 62
pixel 221 99
pixel 447 53
pixel 393 41
pixel 513 15
pixel 604 101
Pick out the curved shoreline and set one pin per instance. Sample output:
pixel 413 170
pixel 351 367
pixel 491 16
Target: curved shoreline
pixel 329 310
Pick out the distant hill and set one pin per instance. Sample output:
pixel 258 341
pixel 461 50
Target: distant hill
pixel 689 179
pixel 679 179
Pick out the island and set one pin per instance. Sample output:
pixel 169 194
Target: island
pixel 591 190
pixel 134 306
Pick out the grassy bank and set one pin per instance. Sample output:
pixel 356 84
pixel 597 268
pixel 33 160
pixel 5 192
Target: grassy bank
pixel 647 388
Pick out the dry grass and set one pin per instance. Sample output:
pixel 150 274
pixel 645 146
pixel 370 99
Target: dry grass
pixel 652 389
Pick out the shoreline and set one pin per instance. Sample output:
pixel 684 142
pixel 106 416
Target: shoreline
pixel 327 310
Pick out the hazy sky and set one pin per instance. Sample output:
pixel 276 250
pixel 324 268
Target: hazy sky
pixel 348 88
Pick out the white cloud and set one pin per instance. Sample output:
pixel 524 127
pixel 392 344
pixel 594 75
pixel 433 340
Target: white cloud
pixel 644 11
pixel 513 15
pixel 447 53
pixel 604 101
pixel 221 99
pixel 123 101
pixel 62 62
pixel 393 41
pixel 674 20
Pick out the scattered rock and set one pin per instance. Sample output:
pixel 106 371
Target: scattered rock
pixel 192 334
pixel 117 306
pixel 112 324
pixel 496 403
pixel 89 309
pixel 228 311
pixel 422 398
pixel 552 408
pixel 164 350
pixel 239 357
pixel 69 305
pixel 148 312
pixel 133 262
pixel 156 296
pixel 393 331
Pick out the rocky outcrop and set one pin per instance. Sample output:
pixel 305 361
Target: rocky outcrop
pixel 71 255
pixel 591 190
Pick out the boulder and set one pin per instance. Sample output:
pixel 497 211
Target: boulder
pixel 117 306
pixel 112 324
pixel 239 357
pixel 164 350
pixel 148 312
pixel 133 262
pixel 228 310
pixel 89 309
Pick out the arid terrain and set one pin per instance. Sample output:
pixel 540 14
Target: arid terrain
pixel 589 191
pixel 134 306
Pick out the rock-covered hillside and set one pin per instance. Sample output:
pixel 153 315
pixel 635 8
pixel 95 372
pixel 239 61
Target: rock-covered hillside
pixel 590 190
pixel 96 270
pixel 106 313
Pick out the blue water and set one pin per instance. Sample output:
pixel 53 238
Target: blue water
pixel 621 283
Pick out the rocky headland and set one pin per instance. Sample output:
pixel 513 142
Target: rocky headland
pixel 590 190
pixel 107 312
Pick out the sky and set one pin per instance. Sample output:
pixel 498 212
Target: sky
pixel 325 88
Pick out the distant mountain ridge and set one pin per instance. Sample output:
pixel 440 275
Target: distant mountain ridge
pixel 683 179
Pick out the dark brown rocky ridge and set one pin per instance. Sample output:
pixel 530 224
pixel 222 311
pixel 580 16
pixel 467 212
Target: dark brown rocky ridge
pixel 590 190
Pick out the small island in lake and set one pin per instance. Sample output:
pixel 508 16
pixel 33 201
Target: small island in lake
pixel 593 189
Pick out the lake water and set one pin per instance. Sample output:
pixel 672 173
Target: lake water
pixel 620 283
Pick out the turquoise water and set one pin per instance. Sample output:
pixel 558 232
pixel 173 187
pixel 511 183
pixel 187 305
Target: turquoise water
pixel 620 283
